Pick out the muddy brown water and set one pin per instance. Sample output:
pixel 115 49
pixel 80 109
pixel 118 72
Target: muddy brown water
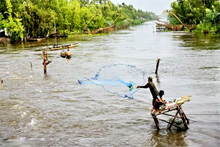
pixel 54 110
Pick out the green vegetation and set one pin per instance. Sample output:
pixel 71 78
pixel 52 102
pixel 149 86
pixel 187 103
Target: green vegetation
pixel 205 14
pixel 39 18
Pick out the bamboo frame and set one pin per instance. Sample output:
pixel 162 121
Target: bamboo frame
pixel 179 114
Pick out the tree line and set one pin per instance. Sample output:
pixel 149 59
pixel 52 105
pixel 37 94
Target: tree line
pixel 24 19
pixel 205 14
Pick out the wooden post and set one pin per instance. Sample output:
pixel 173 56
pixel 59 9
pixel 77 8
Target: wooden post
pixel 2 85
pixel 158 61
pixel 45 61
pixel 31 65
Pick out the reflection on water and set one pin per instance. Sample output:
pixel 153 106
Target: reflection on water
pixel 168 138
pixel 52 109
pixel 200 42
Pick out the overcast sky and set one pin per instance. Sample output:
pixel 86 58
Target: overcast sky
pixel 156 6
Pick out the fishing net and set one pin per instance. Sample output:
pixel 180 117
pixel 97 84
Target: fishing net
pixel 119 79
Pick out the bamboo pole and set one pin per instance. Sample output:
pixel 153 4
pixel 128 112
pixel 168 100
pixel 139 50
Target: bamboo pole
pixel 169 123
pixel 184 115
pixel 185 121
pixel 119 15
pixel 175 16
pixel 173 120
pixel 90 20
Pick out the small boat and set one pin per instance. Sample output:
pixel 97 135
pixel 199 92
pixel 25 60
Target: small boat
pixel 64 54
pixel 61 47
pixel 35 39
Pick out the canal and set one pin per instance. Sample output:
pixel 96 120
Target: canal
pixel 53 109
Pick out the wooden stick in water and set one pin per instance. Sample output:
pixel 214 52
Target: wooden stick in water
pixel 158 61
pixel 2 85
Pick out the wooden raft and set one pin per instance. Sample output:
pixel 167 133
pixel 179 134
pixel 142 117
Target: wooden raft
pixel 179 114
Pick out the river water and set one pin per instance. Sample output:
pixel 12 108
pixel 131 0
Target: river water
pixel 54 110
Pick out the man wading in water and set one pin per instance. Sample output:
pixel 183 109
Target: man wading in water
pixel 154 93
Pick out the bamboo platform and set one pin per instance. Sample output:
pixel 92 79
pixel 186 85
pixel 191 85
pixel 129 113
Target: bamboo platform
pixel 178 119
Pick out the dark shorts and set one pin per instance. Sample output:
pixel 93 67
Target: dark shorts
pixel 156 103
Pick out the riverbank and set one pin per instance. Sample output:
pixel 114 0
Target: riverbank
pixel 98 32
pixel 4 40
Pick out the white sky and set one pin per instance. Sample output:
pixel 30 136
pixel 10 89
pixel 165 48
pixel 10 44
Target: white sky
pixel 156 6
